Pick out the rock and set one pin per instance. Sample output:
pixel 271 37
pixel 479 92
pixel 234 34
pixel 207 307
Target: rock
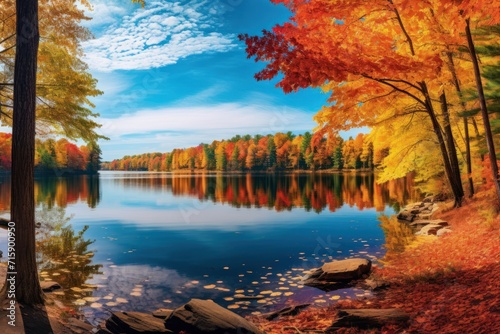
pixel 369 318
pixel 162 313
pixel 287 311
pixel 443 231
pixel 430 229
pixel 77 326
pixel 204 316
pixel 4 222
pixel 135 323
pixel 375 284
pixel 428 199
pixel 338 274
pixel 49 286
pixel 413 206
pixel 428 206
pixel 423 222
pixel 405 215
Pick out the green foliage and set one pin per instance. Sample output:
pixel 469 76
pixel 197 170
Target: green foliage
pixel 271 152
pixel 338 158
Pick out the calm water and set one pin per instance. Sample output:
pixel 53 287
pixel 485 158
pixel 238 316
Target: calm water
pixel 161 239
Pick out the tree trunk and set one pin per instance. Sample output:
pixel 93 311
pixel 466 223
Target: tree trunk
pixel 466 123
pixel 455 184
pixel 484 110
pixel 28 289
pixel 450 143
pixel 468 157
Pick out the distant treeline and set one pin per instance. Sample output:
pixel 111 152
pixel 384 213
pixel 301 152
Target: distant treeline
pixel 282 151
pixel 55 157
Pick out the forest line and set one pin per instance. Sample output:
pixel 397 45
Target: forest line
pixel 278 152
pixel 55 156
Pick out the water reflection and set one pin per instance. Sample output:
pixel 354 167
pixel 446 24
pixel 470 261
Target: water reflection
pixel 398 235
pixel 315 192
pixel 63 255
pixel 161 240
pixel 57 191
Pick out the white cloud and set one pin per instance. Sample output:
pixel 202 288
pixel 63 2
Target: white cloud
pixel 190 214
pixel 104 12
pixel 223 118
pixel 158 35
pixel 163 129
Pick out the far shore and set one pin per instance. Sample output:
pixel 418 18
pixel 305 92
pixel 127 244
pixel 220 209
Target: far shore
pixel 286 171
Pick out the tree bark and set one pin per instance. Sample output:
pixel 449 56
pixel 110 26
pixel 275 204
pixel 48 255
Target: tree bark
pixel 484 111
pixel 28 289
pixel 466 123
pixel 452 152
pixel 455 184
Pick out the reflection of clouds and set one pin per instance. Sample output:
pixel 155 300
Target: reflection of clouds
pixel 189 216
pixel 155 285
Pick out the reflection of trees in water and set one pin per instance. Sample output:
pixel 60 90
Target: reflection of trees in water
pixel 312 191
pixel 398 235
pixel 63 255
pixel 58 191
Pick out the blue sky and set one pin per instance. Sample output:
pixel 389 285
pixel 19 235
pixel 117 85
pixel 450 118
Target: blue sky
pixel 175 75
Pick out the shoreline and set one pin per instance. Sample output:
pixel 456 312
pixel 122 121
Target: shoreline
pixel 445 284
pixel 256 172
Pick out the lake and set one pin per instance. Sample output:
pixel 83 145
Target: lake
pixel 158 239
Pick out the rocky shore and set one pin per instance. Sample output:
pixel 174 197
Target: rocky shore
pixel 419 217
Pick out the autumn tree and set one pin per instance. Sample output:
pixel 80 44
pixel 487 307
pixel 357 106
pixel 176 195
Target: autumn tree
pixel 398 54
pixel 28 290
pixel 63 82
pixel 24 106
pixel 484 110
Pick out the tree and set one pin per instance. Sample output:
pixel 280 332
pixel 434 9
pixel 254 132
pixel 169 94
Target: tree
pixel 394 61
pixel 484 111
pixel 251 153
pixel 28 290
pixel 94 158
pixel 209 157
pixel 338 158
pixel 305 149
pixel 220 156
pixel 234 161
pixel 63 83
pixel 271 152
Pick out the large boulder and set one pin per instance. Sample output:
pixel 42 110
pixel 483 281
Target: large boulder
pixel 204 316
pixel 338 274
pixel 135 323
